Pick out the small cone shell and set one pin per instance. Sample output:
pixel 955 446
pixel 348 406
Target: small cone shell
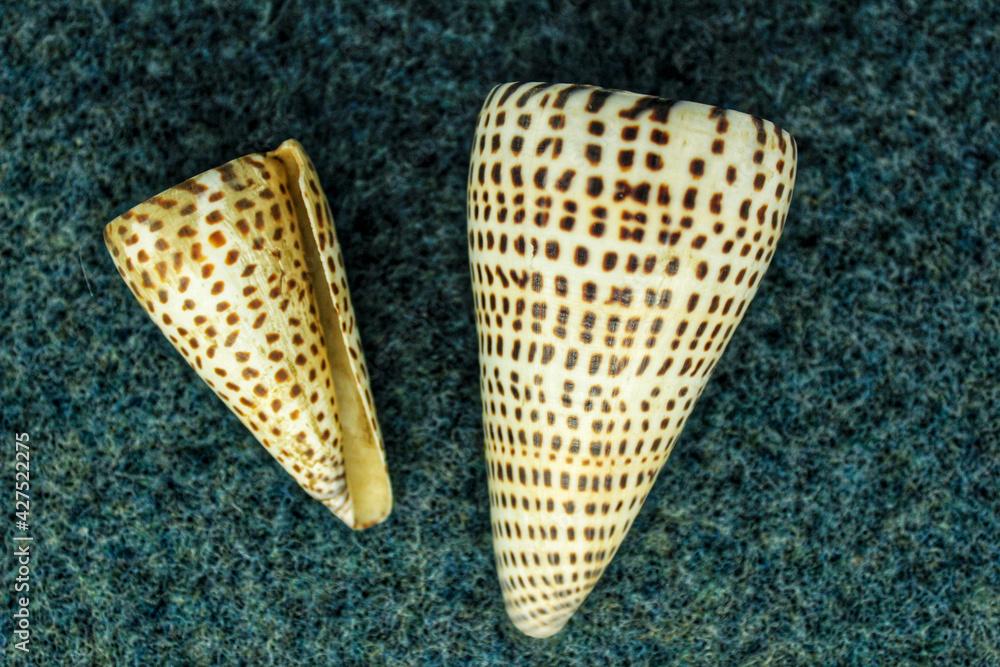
pixel 240 269
pixel 615 242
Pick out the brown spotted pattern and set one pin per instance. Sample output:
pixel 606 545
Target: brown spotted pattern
pixel 241 270
pixel 615 242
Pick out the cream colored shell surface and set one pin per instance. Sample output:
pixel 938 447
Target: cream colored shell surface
pixel 615 242
pixel 221 263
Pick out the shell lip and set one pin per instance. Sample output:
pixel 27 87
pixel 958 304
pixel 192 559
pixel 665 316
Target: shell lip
pixel 372 498
pixel 702 121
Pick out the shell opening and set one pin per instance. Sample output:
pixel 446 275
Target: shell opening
pixel 367 478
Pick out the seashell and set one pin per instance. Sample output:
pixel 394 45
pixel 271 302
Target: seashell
pixel 240 269
pixel 615 242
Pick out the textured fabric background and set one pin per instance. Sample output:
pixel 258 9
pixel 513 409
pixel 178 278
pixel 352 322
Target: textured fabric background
pixel 834 499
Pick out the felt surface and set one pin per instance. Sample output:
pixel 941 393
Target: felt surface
pixel 832 501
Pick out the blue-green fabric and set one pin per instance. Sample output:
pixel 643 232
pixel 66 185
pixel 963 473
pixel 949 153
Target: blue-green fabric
pixel 833 499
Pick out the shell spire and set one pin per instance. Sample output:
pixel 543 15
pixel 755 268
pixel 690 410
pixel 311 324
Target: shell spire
pixel 615 243
pixel 240 269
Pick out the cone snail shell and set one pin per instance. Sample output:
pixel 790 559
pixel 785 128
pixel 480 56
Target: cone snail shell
pixel 615 242
pixel 241 270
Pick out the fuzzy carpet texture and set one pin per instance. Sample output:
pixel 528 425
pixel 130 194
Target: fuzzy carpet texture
pixel 834 499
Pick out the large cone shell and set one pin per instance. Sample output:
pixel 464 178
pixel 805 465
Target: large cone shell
pixel 615 241
pixel 240 269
